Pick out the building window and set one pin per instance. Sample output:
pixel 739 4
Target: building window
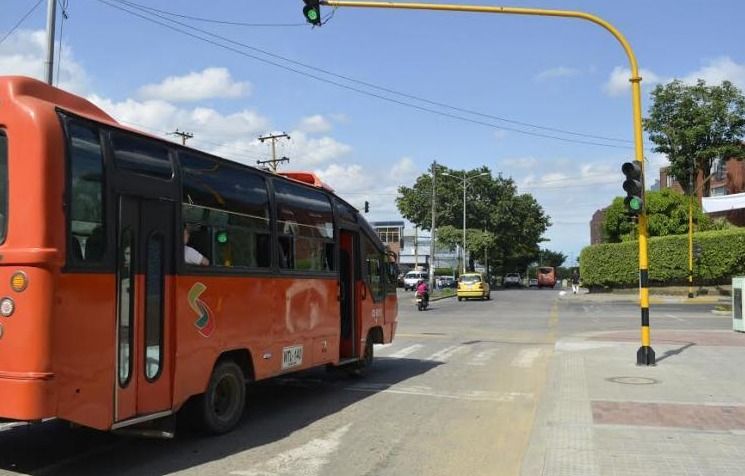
pixel 719 191
pixel 719 169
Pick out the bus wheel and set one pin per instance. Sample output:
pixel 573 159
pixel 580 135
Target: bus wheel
pixel 358 368
pixel 221 406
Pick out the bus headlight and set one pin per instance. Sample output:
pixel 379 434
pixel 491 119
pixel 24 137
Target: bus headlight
pixel 7 307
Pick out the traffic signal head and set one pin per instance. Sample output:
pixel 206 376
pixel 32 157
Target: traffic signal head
pixel 633 187
pixel 367 206
pixel 312 12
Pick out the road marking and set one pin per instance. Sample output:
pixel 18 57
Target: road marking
pixel 448 352
pixel 406 351
pixel 306 460
pixel 526 357
pixel 425 391
pixel 481 359
pixel 8 426
pixel 673 317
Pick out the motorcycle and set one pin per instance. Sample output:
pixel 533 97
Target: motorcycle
pixel 421 302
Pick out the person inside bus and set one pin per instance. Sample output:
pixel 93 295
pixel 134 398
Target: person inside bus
pixel 423 289
pixel 192 256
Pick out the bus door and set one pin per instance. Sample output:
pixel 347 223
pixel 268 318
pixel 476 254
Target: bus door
pixel 347 258
pixel 145 268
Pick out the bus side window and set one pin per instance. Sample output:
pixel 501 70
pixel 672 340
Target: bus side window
pixel 199 239
pixel 87 239
pixel 286 252
pixel 95 245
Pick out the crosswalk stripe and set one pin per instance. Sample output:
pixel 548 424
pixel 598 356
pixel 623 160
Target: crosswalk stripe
pixel 481 359
pixel 526 357
pixel 425 391
pixel 406 351
pixel 448 352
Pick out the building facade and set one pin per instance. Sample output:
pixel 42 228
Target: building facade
pixel 596 226
pixel 727 178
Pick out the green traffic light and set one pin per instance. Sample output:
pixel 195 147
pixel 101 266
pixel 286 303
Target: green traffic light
pixel 635 204
pixel 312 16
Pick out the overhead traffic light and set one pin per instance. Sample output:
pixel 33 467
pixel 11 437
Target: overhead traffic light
pixel 634 187
pixel 312 12
pixel 367 206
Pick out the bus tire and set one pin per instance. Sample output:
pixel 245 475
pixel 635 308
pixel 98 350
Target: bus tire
pixel 221 406
pixel 360 367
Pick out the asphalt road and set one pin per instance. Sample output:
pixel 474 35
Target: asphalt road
pixel 456 393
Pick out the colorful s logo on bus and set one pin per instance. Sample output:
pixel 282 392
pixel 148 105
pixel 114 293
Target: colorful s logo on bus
pixel 205 320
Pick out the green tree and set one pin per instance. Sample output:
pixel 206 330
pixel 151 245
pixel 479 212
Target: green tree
pixel 503 226
pixel 667 211
pixel 551 258
pixel 694 125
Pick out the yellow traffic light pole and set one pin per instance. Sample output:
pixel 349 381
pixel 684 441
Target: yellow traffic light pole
pixel 645 355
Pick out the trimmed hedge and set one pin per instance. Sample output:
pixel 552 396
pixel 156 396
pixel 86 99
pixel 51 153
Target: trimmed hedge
pixel 617 264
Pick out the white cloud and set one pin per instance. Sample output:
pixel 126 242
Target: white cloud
pixel 229 135
pixel 404 171
pixel 618 82
pixel 309 153
pixel 314 124
pixel 196 86
pixel 555 73
pixel 718 70
pixel 713 72
pixel 519 162
pixel 24 54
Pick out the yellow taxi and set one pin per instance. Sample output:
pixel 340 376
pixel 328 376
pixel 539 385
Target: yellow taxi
pixel 473 285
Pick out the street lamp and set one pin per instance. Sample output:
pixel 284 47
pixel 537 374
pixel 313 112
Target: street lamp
pixel 466 178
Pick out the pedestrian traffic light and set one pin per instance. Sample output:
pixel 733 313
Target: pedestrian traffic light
pixel 367 206
pixel 312 12
pixel 633 187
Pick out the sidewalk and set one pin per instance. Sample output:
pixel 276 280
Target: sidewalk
pixel 600 414
pixel 653 299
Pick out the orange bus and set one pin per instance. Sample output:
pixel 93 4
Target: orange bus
pixel 546 277
pixel 107 321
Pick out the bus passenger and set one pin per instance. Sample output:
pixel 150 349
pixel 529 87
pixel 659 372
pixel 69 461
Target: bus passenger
pixel 192 256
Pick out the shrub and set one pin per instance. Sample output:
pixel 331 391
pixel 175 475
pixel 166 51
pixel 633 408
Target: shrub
pixel 617 264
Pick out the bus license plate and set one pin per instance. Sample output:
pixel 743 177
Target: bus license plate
pixel 292 356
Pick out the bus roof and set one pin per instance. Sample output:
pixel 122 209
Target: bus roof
pixel 18 87
pixel 307 177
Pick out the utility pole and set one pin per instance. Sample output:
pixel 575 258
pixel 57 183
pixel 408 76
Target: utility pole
pixel 416 248
pixel 433 235
pixel 184 135
pixel 51 23
pixel 274 161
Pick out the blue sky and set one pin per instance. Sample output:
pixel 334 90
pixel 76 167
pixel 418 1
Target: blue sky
pixel 556 73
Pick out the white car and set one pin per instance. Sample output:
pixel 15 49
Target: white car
pixel 412 278
pixel 511 280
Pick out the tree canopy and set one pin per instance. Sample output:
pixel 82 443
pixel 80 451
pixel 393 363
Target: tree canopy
pixel 695 124
pixel 503 226
pixel 667 211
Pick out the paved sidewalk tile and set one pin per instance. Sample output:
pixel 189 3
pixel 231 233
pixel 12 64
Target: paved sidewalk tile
pixel 602 415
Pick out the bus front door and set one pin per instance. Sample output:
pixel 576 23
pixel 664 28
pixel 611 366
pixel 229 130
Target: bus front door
pixel 145 268
pixel 347 258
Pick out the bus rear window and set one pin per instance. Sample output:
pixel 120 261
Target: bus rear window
pixel 3 185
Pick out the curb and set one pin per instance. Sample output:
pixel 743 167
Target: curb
pixel 441 298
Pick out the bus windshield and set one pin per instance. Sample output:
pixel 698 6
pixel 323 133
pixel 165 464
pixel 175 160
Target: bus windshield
pixel 3 185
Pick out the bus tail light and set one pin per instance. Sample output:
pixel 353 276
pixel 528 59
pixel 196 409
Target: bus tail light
pixel 7 307
pixel 19 281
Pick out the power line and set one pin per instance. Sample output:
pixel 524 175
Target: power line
pixel 345 86
pixel 220 22
pixel 389 90
pixel 23 18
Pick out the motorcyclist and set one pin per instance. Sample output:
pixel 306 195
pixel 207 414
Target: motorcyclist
pixel 423 289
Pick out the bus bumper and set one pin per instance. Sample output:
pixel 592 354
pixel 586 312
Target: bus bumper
pixel 26 396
